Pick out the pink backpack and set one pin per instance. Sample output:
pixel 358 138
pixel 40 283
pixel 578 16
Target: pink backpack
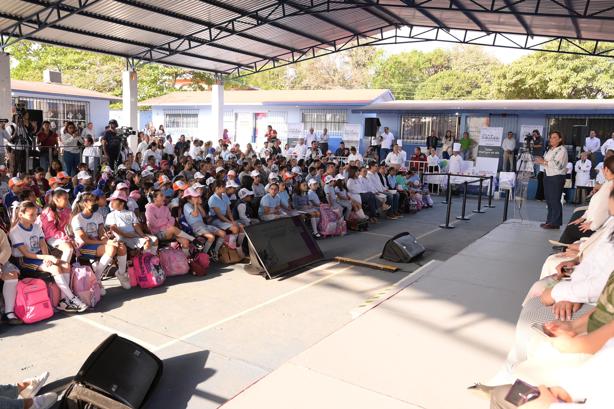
pixel 328 221
pixel 200 264
pixel 32 302
pixel 148 272
pixel 342 228
pixel 85 285
pixel 174 262
pixel 55 295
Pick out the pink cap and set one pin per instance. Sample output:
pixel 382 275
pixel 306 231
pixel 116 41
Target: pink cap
pixel 118 194
pixel 190 192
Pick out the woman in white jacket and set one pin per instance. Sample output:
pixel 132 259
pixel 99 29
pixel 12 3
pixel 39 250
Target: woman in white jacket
pixel 583 177
pixel 71 143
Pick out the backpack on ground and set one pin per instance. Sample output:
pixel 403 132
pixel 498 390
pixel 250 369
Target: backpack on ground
pixel 55 295
pixel 32 302
pixel 328 221
pixel 148 271
pixel 226 255
pixel 174 262
pixel 200 264
pixel 85 285
pixel 342 228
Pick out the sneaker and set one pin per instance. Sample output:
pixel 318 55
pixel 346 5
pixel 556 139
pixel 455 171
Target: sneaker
pixel 386 207
pixel 103 291
pixel 44 401
pixel 124 280
pixel 78 304
pixel 67 306
pixel 213 256
pixel 35 385
pixel 109 272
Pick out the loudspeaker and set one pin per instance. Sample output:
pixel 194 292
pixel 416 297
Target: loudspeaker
pixel 36 115
pixel 371 125
pixel 578 135
pixel 119 373
pixel 402 248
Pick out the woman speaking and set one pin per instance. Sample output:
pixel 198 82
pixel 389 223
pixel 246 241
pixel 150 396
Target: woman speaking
pixel 555 167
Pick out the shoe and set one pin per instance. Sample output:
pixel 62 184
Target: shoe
pixel 232 242
pixel 214 257
pixel 317 235
pixel 385 207
pixel 44 401
pixel 35 385
pixel 103 291
pixel 78 304
pixel 124 280
pixel 550 227
pixel 11 319
pixel 109 272
pixel 65 306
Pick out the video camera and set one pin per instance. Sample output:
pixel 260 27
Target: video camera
pixel 126 131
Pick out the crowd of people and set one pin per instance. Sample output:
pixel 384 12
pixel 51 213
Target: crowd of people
pixel 107 207
pixel 565 333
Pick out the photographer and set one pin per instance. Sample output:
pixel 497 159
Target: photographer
pixel 112 144
pixel 71 143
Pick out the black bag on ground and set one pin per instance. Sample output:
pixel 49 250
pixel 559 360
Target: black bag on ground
pixel 119 374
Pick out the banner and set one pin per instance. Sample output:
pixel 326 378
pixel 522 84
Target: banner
pixel 351 134
pixel 489 149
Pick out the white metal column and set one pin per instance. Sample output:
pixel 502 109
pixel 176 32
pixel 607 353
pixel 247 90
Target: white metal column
pixel 217 108
pixel 5 86
pixel 130 104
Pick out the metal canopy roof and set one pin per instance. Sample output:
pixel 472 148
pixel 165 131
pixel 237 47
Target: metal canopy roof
pixel 239 37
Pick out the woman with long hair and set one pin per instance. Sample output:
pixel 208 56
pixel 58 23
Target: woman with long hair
pixel 55 218
pixel 555 168
pixel 71 143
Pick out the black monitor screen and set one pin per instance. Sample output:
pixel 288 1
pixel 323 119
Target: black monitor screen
pixel 283 245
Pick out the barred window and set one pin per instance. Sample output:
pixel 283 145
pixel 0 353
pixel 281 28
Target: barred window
pixel 58 111
pixel 416 128
pixel 181 119
pixel 332 119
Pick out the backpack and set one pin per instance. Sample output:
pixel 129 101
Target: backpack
pixel 55 295
pixel 185 226
pixel 227 255
pixel 342 228
pixel 174 262
pixel 84 284
pixel 328 221
pixel 200 264
pixel 147 270
pixel 32 302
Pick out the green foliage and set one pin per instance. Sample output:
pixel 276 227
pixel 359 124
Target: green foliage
pixel 453 84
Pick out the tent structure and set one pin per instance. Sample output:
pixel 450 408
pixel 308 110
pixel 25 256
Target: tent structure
pixel 238 37
pixel 241 37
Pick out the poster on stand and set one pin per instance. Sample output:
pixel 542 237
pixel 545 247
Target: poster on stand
pixel 351 134
pixel 295 131
pixel 489 150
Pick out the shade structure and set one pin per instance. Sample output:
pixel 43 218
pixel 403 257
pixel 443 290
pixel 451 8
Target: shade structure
pixel 238 37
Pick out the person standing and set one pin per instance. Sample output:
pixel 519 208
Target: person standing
pixel 310 137
pixel 71 148
pixel 508 146
pixel 169 148
pixel 432 141
pixel 466 146
pixel 387 141
pixel 88 131
pixel 181 147
pixel 47 144
pixel 324 141
pixel 592 144
pixel 583 178
pixel 112 144
pixel 555 167
pixel 607 145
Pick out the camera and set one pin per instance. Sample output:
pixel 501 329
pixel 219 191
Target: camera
pixel 126 131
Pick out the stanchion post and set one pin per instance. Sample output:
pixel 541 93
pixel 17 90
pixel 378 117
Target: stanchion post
pixel 490 205
pixel 462 216
pixel 447 225
pixel 447 192
pixel 506 204
pixel 479 209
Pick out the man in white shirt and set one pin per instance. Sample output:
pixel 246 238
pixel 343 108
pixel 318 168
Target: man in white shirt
pixel 607 145
pixel 311 136
pixel 89 131
pixel 455 163
pixel 169 148
pixel 300 150
pixel 508 146
pixel 355 156
pixel 395 158
pixel 387 141
pixel 592 144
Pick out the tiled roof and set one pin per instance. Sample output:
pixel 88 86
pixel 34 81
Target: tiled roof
pixel 279 97
pixel 58 89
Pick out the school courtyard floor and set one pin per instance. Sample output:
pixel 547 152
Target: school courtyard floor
pixel 332 336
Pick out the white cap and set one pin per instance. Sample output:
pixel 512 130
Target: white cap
pixel 232 172
pixel 340 177
pixel 273 175
pixel 83 175
pixel 456 147
pixel 198 186
pixel 296 170
pixel 210 180
pixel 254 173
pixel 147 173
pixel 328 179
pixel 312 181
pixel 122 185
pixel 122 167
pixel 243 193
pixel 231 183
pixel 199 175
pixel 219 169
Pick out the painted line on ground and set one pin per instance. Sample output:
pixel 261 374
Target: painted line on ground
pixel 110 330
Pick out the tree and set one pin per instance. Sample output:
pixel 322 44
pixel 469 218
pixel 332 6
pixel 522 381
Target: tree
pixel 454 84
pixel 548 75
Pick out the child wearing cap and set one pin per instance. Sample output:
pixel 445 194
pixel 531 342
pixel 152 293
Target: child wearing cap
pixel 221 215
pixel 312 194
pixel 333 200
pixel 88 227
pixel 84 179
pixel 300 201
pixel 257 186
pixel 194 214
pixel 15 187
pixel 126 227
pixel 270 205
pixel 30 248
pixel 242 211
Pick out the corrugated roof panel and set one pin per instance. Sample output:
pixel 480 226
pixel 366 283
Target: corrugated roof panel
pixel 283 37
pixel 358 19
pixel 77 40
pixel 19 8
pixel 246 44
pixel 230 56
pixel 197 62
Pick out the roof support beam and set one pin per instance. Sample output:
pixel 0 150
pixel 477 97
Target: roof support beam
pixel 323 18
pixel 426 13
pixel 470 16
pixel 49 16
pixel 521 20
pixel 573 17
pixel 390 16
